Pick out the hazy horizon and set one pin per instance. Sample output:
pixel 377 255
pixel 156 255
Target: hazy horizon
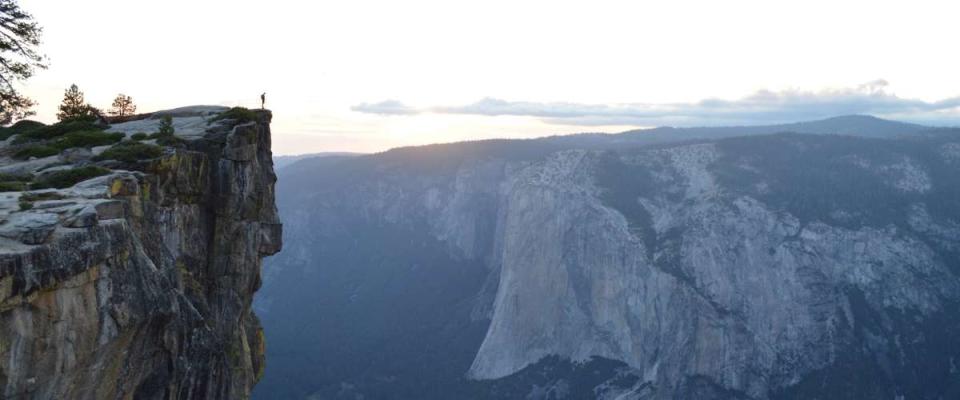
pixel 368 76
pixel 498 200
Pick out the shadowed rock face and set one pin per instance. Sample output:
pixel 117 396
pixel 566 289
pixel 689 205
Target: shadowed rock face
pixel 138 284
pixel 785 266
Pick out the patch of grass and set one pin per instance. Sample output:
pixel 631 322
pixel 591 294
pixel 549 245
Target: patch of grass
pixel 13 186
pixel 26 200
pixel 130 152
pixel 139 136
pixel 38 151
pixel 14 183
pixel 15 177
pixel 55 131
pixel 240 114
pixel 87 139
pixel 37 196
pixel 70 177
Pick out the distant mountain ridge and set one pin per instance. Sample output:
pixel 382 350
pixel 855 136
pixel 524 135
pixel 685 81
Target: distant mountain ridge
pixel 850 125
pixel 853 125
pixel 284 161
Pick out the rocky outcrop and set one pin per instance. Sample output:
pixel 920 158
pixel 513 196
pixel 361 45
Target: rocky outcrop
pixel 138 284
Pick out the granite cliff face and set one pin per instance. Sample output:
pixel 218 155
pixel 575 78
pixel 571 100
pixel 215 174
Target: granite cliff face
pixel 770 266
pixel 137 284
pixel 701 282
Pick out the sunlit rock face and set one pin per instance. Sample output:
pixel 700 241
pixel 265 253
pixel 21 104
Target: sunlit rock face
pixel 138 283
pixel 772 266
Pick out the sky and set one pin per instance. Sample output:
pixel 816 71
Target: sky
pixel 366 76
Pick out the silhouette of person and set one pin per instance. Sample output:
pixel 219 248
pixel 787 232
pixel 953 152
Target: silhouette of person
pixel 263 100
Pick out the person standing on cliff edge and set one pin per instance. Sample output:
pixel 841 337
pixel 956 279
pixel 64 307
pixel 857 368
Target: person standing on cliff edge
pixel 263 100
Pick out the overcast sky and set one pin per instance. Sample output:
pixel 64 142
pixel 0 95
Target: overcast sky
pixel 369 75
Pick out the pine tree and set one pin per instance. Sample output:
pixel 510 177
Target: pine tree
pixel 19 38
pixel 166 127
pixel 74 106
pixel 123 106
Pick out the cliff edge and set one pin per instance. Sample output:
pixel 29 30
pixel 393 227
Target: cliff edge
pixel 137 282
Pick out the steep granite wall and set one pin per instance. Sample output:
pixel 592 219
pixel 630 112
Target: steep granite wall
pixel 784 266
pixel 137 284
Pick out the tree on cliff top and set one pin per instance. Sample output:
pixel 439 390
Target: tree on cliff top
pixel 75 107
pixel 123 106
pixel 19 38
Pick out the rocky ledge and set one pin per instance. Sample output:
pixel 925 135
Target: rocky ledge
pixel 129 258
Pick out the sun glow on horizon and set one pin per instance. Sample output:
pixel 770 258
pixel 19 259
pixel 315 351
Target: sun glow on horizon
pixel 317 61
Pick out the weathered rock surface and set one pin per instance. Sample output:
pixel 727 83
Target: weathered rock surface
pixel 138 284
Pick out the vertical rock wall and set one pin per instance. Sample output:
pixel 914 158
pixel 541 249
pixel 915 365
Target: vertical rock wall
pixel 138 284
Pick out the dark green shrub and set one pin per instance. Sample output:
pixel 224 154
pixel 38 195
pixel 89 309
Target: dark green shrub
pixel 240 114
pixel 87 139
pixel 139 136
pixel 39 151
pixel 130 152
pixel 67 141
pixel 13 186
pixel 20 127
pixel 55 130
pixel 89 114
pixel 171 141
pixel 14 183
pixel 26 125
pixel 25 205
pixel 70 177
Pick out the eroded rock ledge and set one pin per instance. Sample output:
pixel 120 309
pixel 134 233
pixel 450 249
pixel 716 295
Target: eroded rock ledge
pixel 138 283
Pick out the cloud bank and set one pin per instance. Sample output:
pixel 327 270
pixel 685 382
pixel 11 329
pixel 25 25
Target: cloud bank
pixel 386 107
pixel 759 108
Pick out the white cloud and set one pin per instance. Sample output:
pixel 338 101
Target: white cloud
pixel 386 107
pixel 761 107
